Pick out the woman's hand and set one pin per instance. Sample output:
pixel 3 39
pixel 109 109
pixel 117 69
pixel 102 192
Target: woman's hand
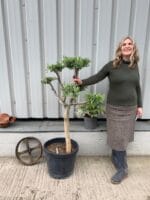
pixel 139 112
pixel 77 80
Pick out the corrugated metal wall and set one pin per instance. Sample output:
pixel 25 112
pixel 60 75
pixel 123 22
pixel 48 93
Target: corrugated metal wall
pixel 36 32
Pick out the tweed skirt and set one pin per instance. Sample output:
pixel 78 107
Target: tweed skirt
pixel 120 126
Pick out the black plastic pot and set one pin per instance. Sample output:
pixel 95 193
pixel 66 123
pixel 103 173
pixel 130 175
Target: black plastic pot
pixel 60 165
pixel 90 122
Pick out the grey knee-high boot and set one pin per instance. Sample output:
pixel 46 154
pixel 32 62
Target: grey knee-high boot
pixel 114 158
pixel 121 166
pixel 115 161
pixel 125 162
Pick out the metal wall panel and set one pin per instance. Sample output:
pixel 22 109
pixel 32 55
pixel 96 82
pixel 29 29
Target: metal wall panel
pixel 34 33
pixel 5 97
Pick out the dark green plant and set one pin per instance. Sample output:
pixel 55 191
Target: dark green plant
pixel 58 67
pixel 71 90
pixel 75 63
pixel 68 92
pixel 93 107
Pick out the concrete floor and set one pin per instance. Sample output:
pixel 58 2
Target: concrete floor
pixel 90 181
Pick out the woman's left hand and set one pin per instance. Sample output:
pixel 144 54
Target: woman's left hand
pixel 139 112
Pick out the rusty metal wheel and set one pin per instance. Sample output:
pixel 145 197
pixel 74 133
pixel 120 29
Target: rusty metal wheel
pixel 29 151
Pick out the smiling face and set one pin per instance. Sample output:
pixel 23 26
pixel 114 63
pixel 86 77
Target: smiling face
pixel 127 48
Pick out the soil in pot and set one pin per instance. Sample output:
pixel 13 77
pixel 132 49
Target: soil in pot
pixel 58 148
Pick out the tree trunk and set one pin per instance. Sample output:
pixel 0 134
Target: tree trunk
pixel 76 72
pixel 66 129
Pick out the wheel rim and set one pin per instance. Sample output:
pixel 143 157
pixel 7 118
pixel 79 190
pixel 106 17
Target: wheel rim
pixel 29 151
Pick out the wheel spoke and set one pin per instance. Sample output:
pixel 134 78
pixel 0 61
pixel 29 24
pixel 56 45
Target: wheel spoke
pixel 23 152
pixel 28 147
pixel 36 147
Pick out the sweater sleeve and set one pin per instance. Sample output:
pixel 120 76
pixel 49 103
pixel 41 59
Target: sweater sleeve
pixel 100 75
pixel 138 90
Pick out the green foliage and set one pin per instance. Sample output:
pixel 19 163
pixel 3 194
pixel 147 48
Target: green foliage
pixel 75 62
pixel 48 80
pixel 71 90
pixel 58 67
pixel 94 105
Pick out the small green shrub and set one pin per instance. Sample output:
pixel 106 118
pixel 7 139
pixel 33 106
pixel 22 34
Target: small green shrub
pixel 93 107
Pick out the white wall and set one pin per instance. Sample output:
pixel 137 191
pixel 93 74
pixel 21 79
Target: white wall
pixel 90 143
pixel 36 32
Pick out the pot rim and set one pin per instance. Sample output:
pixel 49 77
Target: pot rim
pixel 60 139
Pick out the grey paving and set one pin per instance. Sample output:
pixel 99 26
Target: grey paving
pixel 90 181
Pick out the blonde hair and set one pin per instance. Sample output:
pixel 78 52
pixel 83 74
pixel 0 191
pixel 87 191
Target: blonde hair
pixel 134 58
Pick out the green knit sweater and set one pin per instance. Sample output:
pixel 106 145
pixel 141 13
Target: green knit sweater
pixel 124 84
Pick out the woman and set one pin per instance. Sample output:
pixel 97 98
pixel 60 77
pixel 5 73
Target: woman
pixel 124 103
